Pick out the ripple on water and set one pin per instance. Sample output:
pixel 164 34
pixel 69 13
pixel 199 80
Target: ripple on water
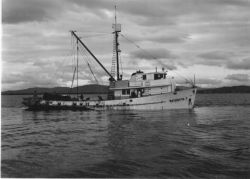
pixel 207 142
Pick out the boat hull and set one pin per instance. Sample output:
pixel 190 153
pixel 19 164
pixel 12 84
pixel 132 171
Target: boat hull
pixel 183 99
pixel 179 100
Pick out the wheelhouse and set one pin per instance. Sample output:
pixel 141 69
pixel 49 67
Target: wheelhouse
pixel 143 84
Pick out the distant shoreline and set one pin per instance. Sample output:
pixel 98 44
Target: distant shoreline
pixel 231 89
pixel 87 89
pixel 107 93
pixel 102 89
pixel 45 92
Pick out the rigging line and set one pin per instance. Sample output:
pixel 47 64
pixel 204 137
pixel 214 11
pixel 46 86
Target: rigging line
pixel 111 77
pixel 86 61
pixel 93 74
pixel 64 59
pixel 186 79
pixel 77 66
pixel 72 50
pixel 74 55
pixel 71 53
pixel 138 46
pixel 84 53
pixel 88 57
pixel 93 70
pixel 73 78
pixel 74 44
pixel 91 32
pixel 150 54
pixel 90 36
pixel 93 63
pixel 94 66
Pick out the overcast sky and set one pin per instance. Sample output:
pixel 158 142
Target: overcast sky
pixel 208 38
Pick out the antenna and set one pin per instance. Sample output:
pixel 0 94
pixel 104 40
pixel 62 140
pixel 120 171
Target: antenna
pixel 194 80
pixel 115 14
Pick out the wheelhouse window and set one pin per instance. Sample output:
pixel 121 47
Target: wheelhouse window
pixel 158 76
pixel 125 91
pixel 144 77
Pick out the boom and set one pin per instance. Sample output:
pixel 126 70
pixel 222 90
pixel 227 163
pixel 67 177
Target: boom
pixel 74 34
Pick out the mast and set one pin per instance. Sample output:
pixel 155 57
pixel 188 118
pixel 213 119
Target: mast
pixel 79 40
pixel 116 48
pixel 117 30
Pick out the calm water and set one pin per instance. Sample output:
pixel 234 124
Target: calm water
pixel 213 140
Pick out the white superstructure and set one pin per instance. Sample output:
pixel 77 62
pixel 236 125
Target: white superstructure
pixel 144 91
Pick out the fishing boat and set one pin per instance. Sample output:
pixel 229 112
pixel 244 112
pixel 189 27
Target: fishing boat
pixel 143 91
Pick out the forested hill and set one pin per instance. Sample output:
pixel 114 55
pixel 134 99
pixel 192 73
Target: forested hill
pixel 232 89
pixel 87 89
pixel 102 89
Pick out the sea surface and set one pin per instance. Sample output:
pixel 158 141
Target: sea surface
pixel 210 141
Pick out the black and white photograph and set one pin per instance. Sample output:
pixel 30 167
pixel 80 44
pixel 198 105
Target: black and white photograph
pixel 125 89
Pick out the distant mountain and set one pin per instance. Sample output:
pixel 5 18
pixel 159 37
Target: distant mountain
pixel 102 89
pixel 232 89
pixel 87 89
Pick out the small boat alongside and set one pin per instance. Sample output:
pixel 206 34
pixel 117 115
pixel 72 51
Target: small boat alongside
pixel 143 91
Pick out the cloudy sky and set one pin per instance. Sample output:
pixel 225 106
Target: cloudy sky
pixel 208 38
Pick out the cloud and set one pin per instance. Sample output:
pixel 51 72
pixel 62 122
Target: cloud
pixel 215 55
pixel 239 65
pixel 168 39
pixel 148 13
pixel 167 64
pixel 160 13
pixel 156 57
pixel 207 81
pixel 94 4
pixel 50 75
pixel 24 80
pixel 200 82
pixel 224 58
pixel 238 77
pixel 150 54
pixel 16 11
pixel 176 35
pixel 23 11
